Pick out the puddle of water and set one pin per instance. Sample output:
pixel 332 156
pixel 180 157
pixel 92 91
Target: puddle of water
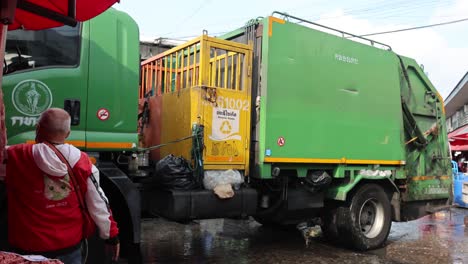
pixel 439 238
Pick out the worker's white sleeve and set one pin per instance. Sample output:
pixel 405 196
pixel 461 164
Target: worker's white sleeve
pixel 98 205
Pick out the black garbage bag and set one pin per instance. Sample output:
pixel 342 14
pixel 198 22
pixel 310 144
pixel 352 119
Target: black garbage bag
pixel 317 181
pixel 175 173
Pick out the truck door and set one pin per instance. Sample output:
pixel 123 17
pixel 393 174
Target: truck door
pixel 44 69
pixel 113 82
pixel 227 121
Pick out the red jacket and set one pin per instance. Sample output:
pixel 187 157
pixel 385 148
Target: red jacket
pixel 43 209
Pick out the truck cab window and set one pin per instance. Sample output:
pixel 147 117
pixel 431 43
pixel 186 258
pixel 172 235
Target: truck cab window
pixel 55 47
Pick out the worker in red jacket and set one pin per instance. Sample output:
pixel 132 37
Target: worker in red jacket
pixel 44 213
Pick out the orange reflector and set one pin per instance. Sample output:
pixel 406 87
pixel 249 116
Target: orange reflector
pixel 102 145
pixel 270 24
pixel 93 160
pixel 109 145
pixel 76 143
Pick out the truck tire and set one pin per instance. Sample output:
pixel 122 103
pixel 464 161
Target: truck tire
pixel 365 221
pixel 329 224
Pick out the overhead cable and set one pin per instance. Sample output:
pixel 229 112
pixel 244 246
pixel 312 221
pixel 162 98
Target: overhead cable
pixel 414 28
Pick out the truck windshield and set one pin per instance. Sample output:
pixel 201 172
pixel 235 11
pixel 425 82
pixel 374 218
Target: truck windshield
pixel 36 49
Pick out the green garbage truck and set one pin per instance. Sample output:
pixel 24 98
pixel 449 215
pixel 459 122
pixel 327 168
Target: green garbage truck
pixel 281 120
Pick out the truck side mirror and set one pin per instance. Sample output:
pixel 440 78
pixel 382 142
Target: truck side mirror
pixel 72 106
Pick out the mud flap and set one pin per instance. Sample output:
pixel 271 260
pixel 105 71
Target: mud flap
pixel 125 203
pixel 417 209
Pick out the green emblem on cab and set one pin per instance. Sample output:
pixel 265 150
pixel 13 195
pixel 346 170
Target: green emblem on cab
pixel 31 97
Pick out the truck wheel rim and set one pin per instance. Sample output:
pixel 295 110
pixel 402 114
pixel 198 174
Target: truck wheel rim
pixel 371 218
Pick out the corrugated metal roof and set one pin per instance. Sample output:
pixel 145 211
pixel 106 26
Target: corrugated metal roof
pixel 458 97
pixel 161 41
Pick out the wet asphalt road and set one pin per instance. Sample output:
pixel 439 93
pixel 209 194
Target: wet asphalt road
pixel 439 238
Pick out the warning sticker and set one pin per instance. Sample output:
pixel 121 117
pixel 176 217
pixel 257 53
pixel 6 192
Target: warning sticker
pixel 103 114
pixel 281 141
pixel 225 124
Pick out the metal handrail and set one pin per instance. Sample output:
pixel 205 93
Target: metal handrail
pixel 285 15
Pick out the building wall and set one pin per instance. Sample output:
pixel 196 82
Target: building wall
pixel 458 119
pixel 150 47
pixel 456 105
pixel 148 50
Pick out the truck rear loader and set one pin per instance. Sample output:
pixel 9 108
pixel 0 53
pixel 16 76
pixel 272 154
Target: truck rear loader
pixel 320 126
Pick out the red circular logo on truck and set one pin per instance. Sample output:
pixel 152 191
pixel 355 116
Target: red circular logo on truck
pixel 281 141
pixel 103 114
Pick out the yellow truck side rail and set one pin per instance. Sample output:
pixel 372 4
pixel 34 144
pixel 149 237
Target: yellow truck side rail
pixel 203 61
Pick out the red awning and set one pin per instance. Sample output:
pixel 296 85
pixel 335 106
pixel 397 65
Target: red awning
pixel 41 14
pixel 459 139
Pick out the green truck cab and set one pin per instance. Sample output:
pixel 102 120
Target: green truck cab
pixel 320 126
pixel 91 70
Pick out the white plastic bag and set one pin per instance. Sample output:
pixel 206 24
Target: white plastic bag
pixel 213 178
